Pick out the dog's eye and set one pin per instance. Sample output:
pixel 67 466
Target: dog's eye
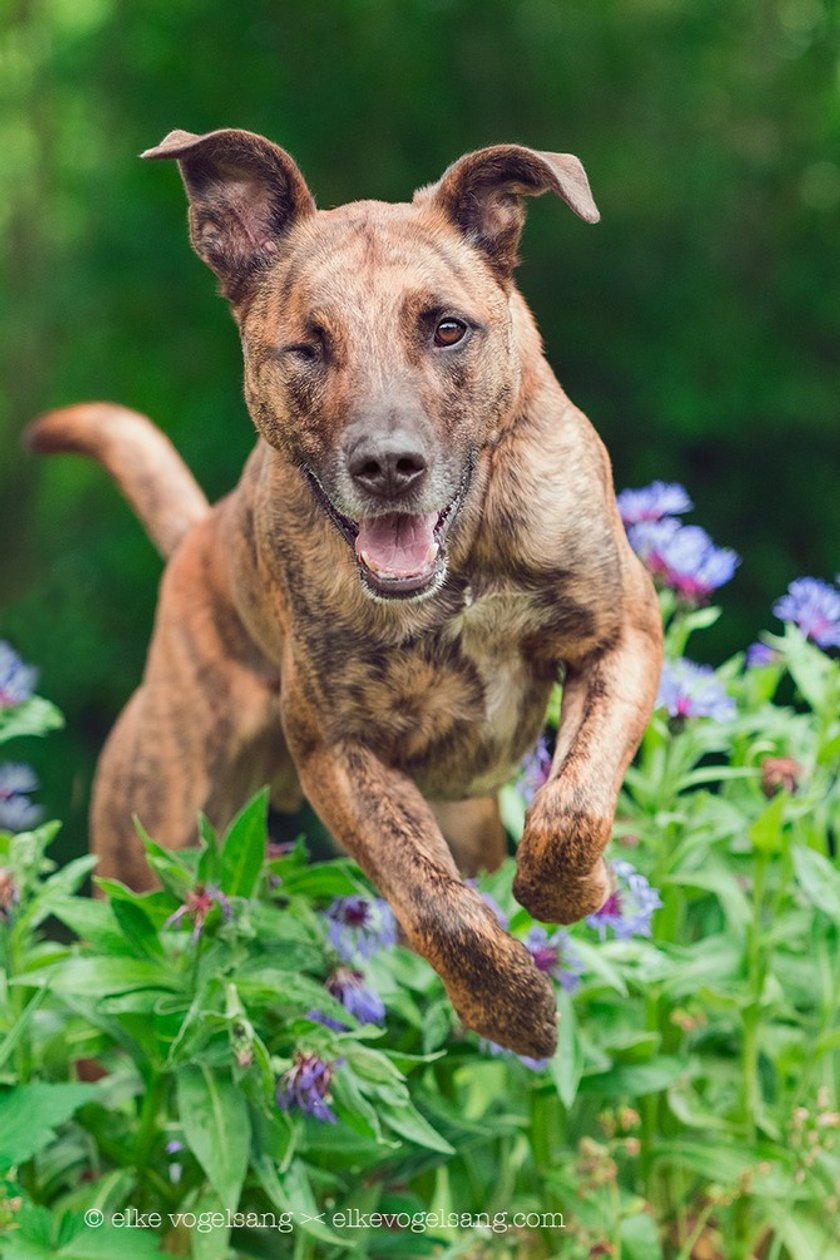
pixel 449 332
pixel 306 353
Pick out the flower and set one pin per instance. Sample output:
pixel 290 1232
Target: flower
pixel 360 925
pixel 683 557
pixel 319 1017
pixel 533 773
pixel 198 904
pixel 306 1086
pixel 814 607
pixel 653 502
pixel 17 812
pixel 348 987
pixel 759 654
pixel 17 681
pixel 780 774
pixel 629 908
pixel 9 894
pixel 554 955
pixel 536 1065
pixel 688 690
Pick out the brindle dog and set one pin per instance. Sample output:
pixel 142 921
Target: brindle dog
pixel 424 539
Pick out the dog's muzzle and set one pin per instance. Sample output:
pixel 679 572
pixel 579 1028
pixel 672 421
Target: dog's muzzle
pixel 400 555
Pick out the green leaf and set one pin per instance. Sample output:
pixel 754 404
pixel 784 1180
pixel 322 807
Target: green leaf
pixel 71 876
pixel 819 880
pixel 35 716
pixel 243 849
pixel 291 1192
pixel 20 1027
pixel 214 1117
pixel 137 928
pixel 632 1079
pixel 30 1114
pixel 212 1244
pixel 92 921
pixel 766 831
pixel 406 1121
pixel 100 976
pixel 567 1065
pixel 639 1239
pixel 207 871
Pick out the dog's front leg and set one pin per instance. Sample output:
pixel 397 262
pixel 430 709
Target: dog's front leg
pixel 608 697
pixel 379 816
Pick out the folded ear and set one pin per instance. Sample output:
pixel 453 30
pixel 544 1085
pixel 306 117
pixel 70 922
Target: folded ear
pixel 244 194
pixel 480 194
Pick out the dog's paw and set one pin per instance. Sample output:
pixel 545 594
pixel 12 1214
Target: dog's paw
pixel 509 1001
pixel 564 898
pixel 561 876
pixel 492 980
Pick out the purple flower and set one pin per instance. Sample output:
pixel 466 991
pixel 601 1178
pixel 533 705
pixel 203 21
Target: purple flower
pixel 360 926
pixel 534 771
pixel 759 654
pixel 319 1017
pixel 683 557
pixel 554 955
pixel 17 812
pixel 653 502
pixel 814 607
pixel 17 681
pixel 688 690
pixel 348 987
pixel 306 1086
pixel 198 904
pixel 536 1065
pixel 9 894
pixel 629 908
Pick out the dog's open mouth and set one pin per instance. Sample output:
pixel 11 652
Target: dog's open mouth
pixel 400 554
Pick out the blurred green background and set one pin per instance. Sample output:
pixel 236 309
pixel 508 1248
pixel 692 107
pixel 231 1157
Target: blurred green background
pixel 697 325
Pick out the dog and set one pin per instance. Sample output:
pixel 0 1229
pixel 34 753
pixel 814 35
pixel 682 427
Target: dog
pixel 423 541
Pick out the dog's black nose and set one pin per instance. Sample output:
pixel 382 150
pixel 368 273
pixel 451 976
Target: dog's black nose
pixel 388 464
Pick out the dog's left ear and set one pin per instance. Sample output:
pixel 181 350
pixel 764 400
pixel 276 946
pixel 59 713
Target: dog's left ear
pixel 244 194
pixel 480 194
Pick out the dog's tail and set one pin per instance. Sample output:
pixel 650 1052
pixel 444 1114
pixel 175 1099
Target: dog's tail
pixel 142 461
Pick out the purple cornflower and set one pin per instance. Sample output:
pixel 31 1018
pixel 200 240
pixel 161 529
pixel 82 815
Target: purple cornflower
pixel 536 1065
pixel 759 654
pixel 534 770
pixel 17 812
pixel 319 1017
pixel 554 955
pixel 814 607
pixel 688 690
pixel 653 502
pixel 348 987
pixel 683 557
pixel 360 925
pixel 629 908
pixel 198 904
pixel 17 681
pixel 9 894
pixel 306 1086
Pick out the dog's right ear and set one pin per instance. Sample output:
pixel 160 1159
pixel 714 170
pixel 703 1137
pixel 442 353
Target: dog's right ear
pixel 244 194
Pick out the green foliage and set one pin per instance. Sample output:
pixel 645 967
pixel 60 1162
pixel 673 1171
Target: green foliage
pixel 691 1109
pixel 697 324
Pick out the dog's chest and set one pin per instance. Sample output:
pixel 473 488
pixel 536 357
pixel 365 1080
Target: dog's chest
pixel 458 706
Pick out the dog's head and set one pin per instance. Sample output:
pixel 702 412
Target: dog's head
pixel 379 340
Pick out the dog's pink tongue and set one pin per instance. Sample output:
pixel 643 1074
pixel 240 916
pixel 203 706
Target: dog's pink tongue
pixel 397 545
